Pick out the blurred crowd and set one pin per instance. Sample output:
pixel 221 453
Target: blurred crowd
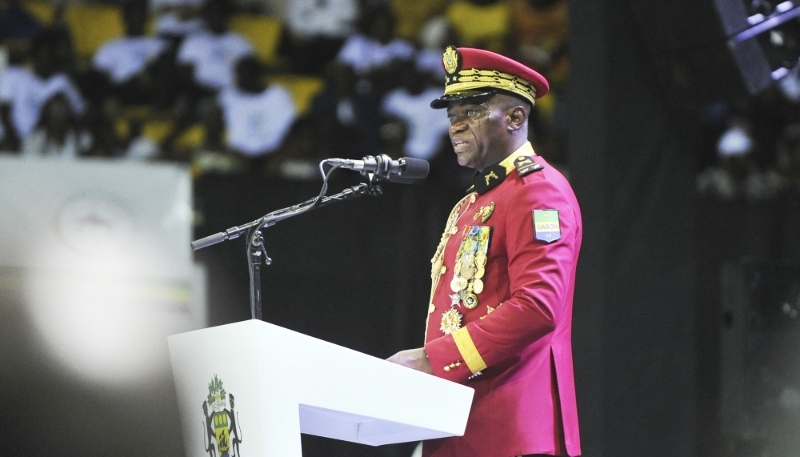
pixel 752 146
pixel 258 86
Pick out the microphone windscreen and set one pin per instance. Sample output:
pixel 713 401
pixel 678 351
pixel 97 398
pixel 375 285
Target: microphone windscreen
pixel 415 168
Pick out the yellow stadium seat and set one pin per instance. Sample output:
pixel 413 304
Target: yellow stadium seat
pixel 413 14
pixel 41 10
pixel 545 106
pixel 91 25
pixel 157 130
pixel 480 25
pixel 264 32
pixel 303 89
pixel 191 138
pixel 150 26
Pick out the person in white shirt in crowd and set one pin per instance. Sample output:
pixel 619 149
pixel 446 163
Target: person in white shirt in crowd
pixel 347 121
pixel 23 92
pixel 410 103
pixel 129 62
pixel 737 176
pixel 206 62
pixel 212 155
pixel 434 36
pixel 176 19
pixel 257 117
pixel 209 56
pixel 374 52
pixel 58 133
pixel 316 31
pixel 140 147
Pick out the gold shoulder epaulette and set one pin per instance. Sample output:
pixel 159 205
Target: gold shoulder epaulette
pixel 525 165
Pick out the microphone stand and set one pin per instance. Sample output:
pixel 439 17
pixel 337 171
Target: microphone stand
pixel 255 247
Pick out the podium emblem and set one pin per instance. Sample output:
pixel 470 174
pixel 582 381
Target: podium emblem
pixel 221 434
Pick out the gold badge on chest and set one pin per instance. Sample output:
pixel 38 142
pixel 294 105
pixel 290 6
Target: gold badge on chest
pixel 484 213
pixel 451 321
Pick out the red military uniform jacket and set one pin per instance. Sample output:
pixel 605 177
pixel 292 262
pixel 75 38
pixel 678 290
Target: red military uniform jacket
pixel 500 318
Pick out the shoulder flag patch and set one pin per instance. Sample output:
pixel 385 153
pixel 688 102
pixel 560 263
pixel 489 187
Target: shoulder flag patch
pixel 546 225
pixel 526 165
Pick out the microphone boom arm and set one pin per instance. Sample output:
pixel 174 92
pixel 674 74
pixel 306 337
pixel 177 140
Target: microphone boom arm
pixel 255 246
pixel 276 216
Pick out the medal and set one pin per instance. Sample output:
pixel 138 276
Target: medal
pixel 454 284
pixel 458 284
pixel 451 321
pixel 471 301
pixel 470 263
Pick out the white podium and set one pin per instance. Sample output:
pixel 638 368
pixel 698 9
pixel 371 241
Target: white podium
pixel 252 387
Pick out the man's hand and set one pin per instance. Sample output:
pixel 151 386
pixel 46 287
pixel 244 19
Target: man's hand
pixel 413 358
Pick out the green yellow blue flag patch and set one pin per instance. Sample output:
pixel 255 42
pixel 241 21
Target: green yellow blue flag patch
pixel 546 226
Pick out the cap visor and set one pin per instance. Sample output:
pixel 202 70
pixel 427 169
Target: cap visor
pixel 444 100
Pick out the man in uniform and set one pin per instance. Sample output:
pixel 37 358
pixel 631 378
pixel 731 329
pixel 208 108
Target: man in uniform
pixel 500 313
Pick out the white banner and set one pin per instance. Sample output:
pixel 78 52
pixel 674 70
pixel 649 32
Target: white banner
pixel 112 217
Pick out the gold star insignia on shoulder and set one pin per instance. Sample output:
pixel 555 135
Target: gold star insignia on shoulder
pixel 525 165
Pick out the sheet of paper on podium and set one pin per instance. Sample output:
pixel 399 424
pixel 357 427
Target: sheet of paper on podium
pixel 276 383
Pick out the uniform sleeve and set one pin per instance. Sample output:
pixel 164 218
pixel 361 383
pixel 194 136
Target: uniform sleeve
pixel 539 276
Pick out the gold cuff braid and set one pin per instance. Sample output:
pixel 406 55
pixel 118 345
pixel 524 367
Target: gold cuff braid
pixel 468 350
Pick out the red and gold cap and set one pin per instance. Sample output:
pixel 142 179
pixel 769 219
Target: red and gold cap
pixel 476 72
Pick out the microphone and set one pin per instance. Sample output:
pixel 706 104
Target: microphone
pixel 404 170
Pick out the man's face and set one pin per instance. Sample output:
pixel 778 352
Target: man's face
pixel 478 131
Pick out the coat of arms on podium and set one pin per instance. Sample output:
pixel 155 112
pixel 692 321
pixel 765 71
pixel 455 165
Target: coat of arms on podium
pixel 220 429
